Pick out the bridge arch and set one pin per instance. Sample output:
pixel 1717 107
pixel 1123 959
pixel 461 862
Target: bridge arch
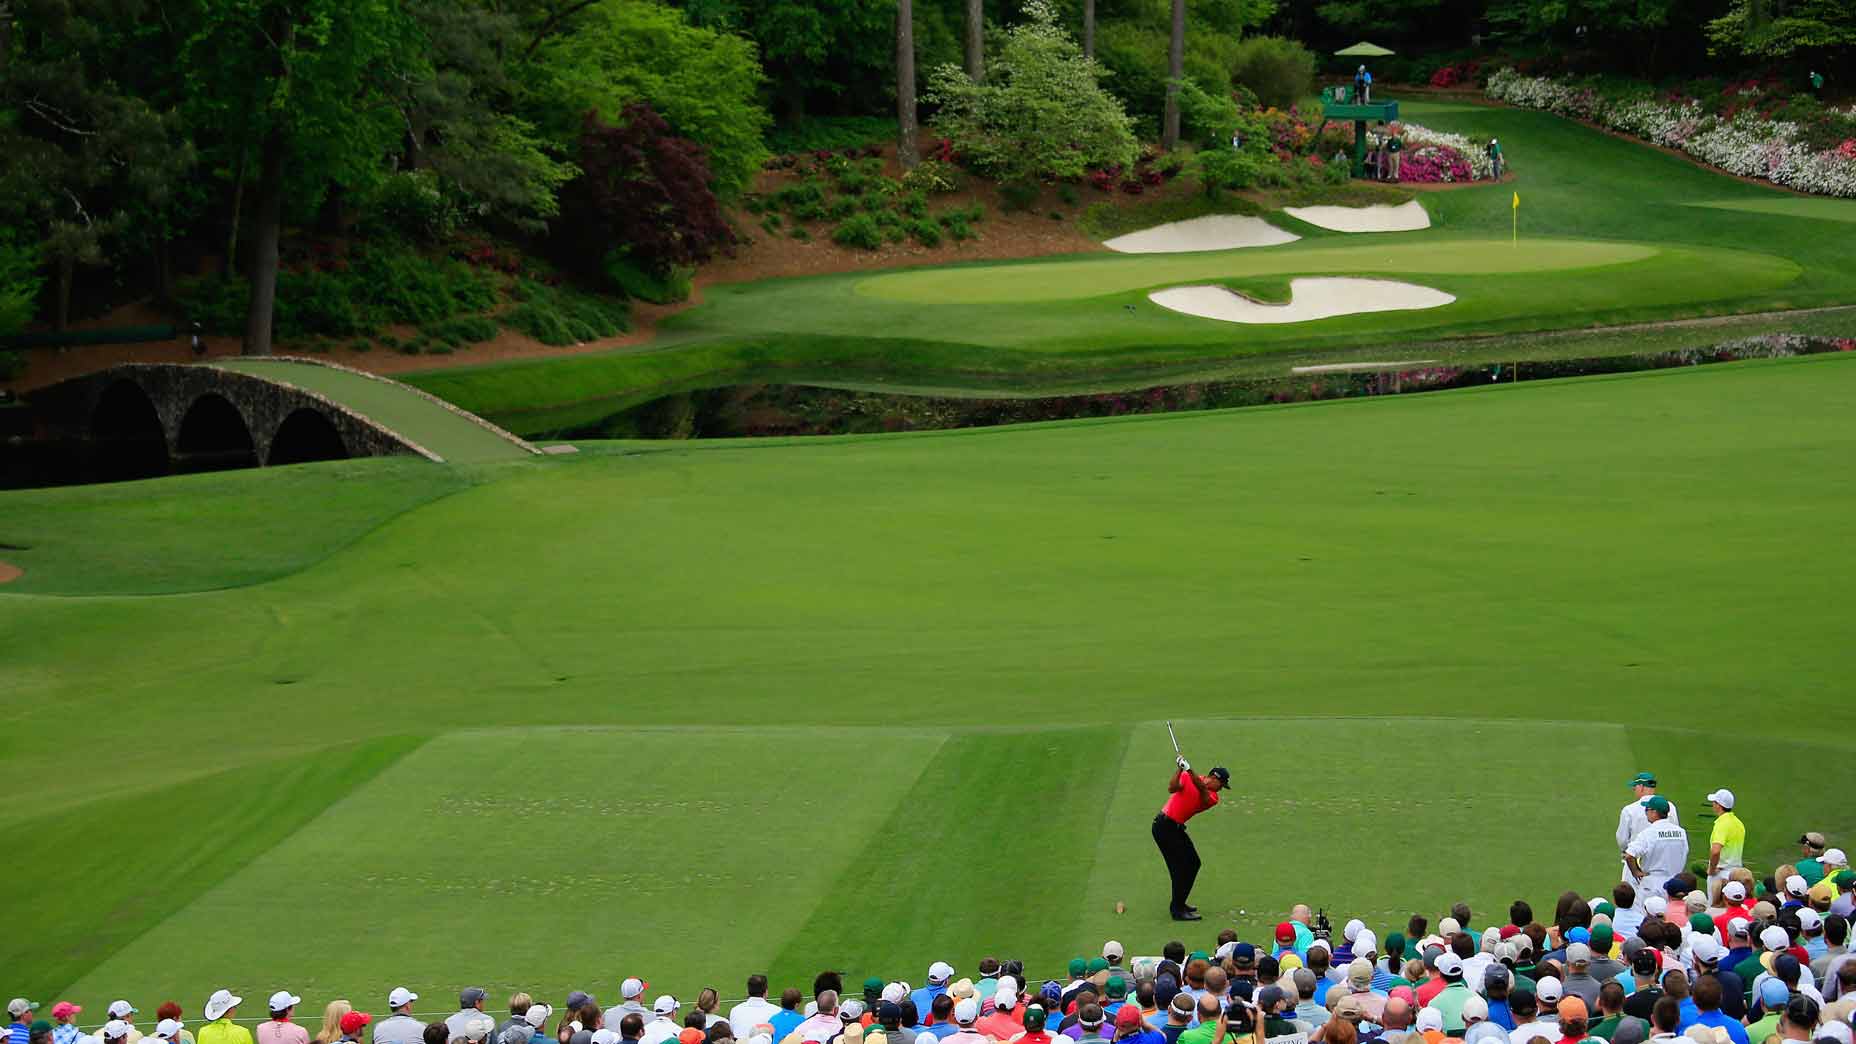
pixel 128 439
pixel 214 436
pixel 306 435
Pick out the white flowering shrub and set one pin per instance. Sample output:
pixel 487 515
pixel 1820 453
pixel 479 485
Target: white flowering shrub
pixel 1745 144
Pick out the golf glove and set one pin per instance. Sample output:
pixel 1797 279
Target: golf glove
pixel 1184 766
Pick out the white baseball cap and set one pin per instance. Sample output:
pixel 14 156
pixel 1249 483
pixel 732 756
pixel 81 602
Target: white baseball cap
pixel 1837 1030
pixel 400 997
pixel 1448 927
pixel 1006 998
pixel 1809 920
pixel 1430 1019
pixel 895 992
pixel 1475 1008
pixel 1774 938
pixel 284 999
pixel 1797 885
pixel 115 1029
pixel 219 1003
pixel 1225 950
pixel 1834 857
pixel 1733 890
pixel 1353 929
pixel 537 1014
pixel 1706 949
pixel 1656 905
pixel 939 972
pixel 169 1028
pixel 1365 942
pixel 121 1009
pixel 665 1004
pixel 967 1012
pixel 1449 963
pixel 851 1010
pixel 1548 990
pixel 1323 944
pixel 1738 927
pixel 631 989
pixel 478 1027
pixel 1723 797
pixel 1112 951
pixel 605 1036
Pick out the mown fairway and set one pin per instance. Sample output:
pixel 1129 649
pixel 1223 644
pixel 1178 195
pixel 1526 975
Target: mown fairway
pixel 872 702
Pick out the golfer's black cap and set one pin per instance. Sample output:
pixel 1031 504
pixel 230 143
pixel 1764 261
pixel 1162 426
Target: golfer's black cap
pixel 1223 774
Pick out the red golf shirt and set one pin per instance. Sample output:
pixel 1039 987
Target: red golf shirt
pixel 1186 802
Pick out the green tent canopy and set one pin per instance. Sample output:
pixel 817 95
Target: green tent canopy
pixel 1364 50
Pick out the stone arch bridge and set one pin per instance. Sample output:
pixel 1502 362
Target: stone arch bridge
pixel 153 419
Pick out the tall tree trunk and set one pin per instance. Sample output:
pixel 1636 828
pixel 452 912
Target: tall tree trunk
pixel 264 247
pixel 976 39
pixel 905 83
pixel 238 203
pixel 1175 71
pixel 1089 28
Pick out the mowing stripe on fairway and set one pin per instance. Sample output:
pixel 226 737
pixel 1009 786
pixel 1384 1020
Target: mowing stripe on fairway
pixel 1431 811
pixel 1814 208
pixel 961 867
pixel 1067 280
pixel 112 872
pixel 543 860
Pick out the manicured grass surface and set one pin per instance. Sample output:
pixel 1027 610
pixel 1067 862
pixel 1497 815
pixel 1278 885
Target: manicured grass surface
pixel 452 437
pixel 1068 320
pixel 1071 280
pixel 197 532
pixel 1812 208
pixel 798 694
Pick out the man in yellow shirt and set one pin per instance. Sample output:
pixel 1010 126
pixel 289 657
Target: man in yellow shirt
pixel 219 1028
pixel 1726 845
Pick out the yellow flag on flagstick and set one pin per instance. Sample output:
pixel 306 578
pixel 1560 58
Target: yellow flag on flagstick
pixel 1515 233
pixel 1517 201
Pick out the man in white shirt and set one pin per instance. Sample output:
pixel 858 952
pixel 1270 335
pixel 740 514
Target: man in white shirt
pixel 400 1027
pixel 664 1024
pixel 1631 819
pixel 1658 852
pixel 743 1017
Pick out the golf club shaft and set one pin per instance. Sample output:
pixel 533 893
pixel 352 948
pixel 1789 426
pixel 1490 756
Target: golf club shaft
pixel 1175 739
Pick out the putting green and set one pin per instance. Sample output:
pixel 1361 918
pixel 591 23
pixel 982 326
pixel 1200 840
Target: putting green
pixel 1071 280
pixel 1815 208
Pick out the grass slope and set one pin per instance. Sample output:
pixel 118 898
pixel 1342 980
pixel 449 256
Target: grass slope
pixel 199 532
pixel 795 694
pixel 1086 319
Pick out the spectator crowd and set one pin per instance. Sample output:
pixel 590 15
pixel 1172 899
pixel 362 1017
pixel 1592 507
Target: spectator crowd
pixel 1715 958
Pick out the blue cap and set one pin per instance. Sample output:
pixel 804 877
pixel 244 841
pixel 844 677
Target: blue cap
pixel 1579 935
pixel 1774 994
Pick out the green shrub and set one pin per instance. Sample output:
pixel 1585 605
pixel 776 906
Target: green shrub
pixel 1019 195
pixel 925 232
pixel 634 280
pixel 216 303
pixel 932 175
pixel 811 190
pixel 1226 169
pixel 852 183
pixel 461 331
pixel 841 208
pixel 832 133
pixel 913 204
pixel 1280 71
pixel 1066 194
pixel 411 204
pixel 560 317
pixel 801 234
pixel 860 231
pixel 771 224
pixel 894 233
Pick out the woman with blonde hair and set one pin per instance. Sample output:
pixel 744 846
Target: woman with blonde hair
pixel 706 1003
pixel 331 1030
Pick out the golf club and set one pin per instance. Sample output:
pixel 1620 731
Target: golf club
pixel 1175 739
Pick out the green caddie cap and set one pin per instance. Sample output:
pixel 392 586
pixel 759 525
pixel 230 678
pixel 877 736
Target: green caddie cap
pixel 1034 1018
pixel 1117 988
pixel 1078 967
pixel 1643 779
pixel 1098 964
pixel 873 986
pixel 1657 803
pixel 1845 878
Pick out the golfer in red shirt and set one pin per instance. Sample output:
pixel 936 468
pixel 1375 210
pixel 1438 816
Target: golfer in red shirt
pixel 1190 795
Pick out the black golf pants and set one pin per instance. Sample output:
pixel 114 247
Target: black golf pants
pixel 1182 858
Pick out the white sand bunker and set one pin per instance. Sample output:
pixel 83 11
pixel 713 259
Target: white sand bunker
pixel 1406 217
pixel 1213 232
pixel 1310 299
